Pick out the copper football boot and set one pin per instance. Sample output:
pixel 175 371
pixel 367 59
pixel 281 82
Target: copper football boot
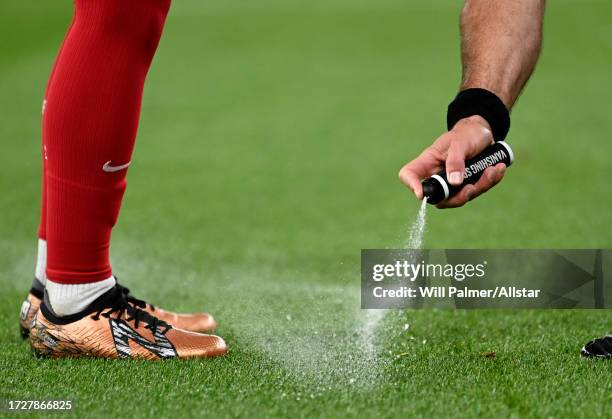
pixel 194 322
pixel 113 328
pixel 29 308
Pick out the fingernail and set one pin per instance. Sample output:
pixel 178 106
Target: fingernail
pixel 455 178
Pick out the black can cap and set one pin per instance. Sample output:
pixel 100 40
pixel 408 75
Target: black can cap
pixel 435 189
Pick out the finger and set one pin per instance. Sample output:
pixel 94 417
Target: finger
pixel 412 180
pixel 459 200
pixel 455 161
pixel 418 169
pixel 491 176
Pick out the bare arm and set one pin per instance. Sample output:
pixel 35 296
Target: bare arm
pixel 500 44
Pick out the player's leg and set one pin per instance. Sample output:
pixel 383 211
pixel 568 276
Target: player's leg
pixel 30 306
pixel 195 322
pixel 89 128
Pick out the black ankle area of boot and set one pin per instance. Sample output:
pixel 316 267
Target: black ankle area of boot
pixel 37 293
pixel 113 301
pixel 104 301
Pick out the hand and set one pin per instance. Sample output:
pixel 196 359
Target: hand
pixel 468 137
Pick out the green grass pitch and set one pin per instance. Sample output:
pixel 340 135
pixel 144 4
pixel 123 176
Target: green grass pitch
pixel 270 140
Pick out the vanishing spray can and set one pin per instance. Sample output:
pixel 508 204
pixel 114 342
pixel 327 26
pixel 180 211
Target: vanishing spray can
pixel 437 189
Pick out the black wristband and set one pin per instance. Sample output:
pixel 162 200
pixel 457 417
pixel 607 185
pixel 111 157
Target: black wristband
pixel 481 102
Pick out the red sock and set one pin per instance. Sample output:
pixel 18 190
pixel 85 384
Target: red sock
pixel 89 128
pixel 42 226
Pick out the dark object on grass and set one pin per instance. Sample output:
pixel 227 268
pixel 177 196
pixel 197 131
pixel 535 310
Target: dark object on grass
pixel 598 348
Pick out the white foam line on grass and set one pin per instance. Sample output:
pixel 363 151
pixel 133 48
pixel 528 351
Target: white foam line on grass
pixel 322 347
pixel 371 320
pixel 314 331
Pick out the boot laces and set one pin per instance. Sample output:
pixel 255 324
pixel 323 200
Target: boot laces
pixel 121 305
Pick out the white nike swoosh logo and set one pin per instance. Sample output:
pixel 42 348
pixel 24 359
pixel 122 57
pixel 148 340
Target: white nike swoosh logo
pixel 108 168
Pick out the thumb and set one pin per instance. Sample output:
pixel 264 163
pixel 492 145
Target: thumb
pixel 455 161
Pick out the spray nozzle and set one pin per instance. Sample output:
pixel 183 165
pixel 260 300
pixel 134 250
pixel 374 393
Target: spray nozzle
pixel 435 189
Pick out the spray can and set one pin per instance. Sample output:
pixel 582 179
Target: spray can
pixel 437 188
